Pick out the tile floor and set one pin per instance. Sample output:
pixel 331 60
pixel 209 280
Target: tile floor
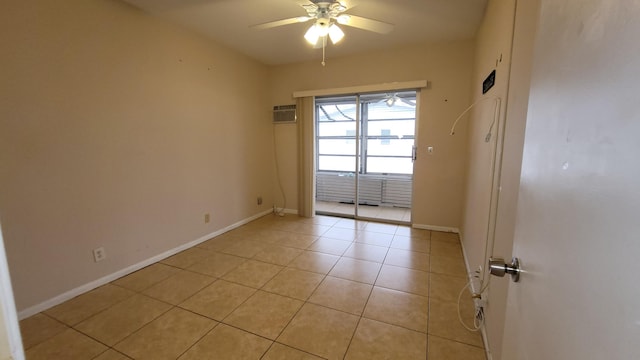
pixel 276 288
pixel 388 213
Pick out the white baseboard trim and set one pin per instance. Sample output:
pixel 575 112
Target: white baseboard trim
pixel 437 228
pixel 291 211
pixel 30 311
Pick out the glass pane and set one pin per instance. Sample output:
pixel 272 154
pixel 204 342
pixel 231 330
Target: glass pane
pixel 337 112
pixel 394 147
pixel 336 163
pixel 344 128
pixel 389 165
pixel 394 127
pixel 336 147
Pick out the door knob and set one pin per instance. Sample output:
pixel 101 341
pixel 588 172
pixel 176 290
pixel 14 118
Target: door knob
pixel 499 268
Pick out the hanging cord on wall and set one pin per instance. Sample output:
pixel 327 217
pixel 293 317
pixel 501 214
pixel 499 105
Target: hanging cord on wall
pixel 275 157
pixel 478 318
pixel 484 281
pixel 488 136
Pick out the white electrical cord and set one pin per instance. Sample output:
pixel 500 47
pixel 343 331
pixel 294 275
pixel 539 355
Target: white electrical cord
pixel 478 320
pixel 275 157
pixel 453 127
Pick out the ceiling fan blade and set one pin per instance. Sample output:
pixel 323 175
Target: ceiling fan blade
pixel 365 23
pixel 272 24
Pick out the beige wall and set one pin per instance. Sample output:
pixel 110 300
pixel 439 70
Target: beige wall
pixel 121 131
pixel 448 66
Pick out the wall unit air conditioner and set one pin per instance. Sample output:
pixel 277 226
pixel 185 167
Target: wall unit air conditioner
pixel 284 114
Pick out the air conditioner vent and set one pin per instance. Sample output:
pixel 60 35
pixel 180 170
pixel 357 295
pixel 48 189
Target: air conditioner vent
pixel 283 114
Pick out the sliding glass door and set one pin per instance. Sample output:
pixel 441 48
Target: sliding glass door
pixel 364 155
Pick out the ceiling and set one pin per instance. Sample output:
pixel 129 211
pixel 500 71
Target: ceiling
pixel 229 21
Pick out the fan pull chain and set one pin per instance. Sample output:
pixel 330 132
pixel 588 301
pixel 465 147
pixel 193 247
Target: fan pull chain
pixel 324 45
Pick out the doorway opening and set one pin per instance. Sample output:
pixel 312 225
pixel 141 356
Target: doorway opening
pixel 365 149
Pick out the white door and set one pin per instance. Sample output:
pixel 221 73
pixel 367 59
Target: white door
pixel 578 220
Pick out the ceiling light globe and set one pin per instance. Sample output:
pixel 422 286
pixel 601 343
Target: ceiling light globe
pixel 335 33
pixel 312 35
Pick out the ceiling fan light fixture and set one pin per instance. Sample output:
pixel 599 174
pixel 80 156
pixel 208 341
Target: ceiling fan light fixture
pixel 335 33
pixel 391 101
pixel 343 19
pixel 312 35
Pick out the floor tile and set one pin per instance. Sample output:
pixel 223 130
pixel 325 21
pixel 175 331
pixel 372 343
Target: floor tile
pixel 341 294
pixel 320 331
pixel 218 300
pixel 403 279
pixel 341 234
pixel 315 262
pixel 283 352
pixel 217 264
pixel 294 283
pixel 374 238
pixel 444 349
pixel 411 244
pixel 146 277
pixel 330 246
pixel 304 228
pixel 445 236
pixel 277 254
pixel 357 270
pixel 408 259
pixel 179 287
pixel 39 328
pixel 112 355
pixel 218 243
pixel 186 258
pixel 413 232
pixel 253 273
pixel 226 342
pixel 69 344
pixel 264 314
pixel 376 340
pixel 444 287
pixel 381 228
pixel 366 252
pixel 122 319
pixel 244 248
pixel 321 220
pixel 351 224
pixel 298 241
pixel 443 322
pixel 448 266
pixel 166 337
pixel 450 249
pixel 84 306
pixel 398 308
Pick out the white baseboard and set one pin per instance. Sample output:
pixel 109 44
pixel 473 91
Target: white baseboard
pixel 437 228
pixel 30 311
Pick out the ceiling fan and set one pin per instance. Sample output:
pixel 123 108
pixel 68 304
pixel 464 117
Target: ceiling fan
pixel 326 16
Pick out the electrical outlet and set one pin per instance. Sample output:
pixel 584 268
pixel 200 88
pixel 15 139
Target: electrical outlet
pixel 478 272
pixel 259 200
pixel 207 218
pixel 99 254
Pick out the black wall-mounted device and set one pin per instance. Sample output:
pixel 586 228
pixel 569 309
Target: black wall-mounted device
pixel 488 82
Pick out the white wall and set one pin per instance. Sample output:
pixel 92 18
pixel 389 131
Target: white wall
pixel 10 339
pixel 439 177
pixel 120 130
